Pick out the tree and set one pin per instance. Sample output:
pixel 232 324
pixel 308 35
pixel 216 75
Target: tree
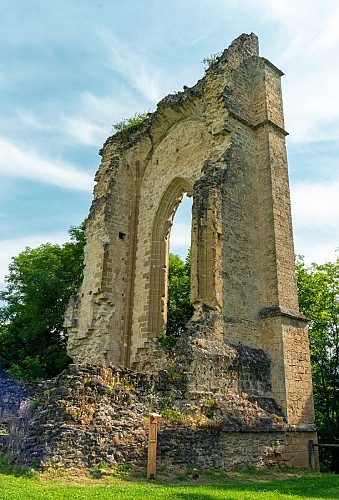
pixel 319 300
pixel 39 285
pixel 179 308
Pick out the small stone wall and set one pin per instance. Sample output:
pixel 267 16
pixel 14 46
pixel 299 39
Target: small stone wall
pixel 233 450
pixel 83 418
pixel 14 395
pixel 93 416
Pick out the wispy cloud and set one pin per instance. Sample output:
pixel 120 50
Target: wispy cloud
pixel 328 37
pixel 85 131
pixel 306 45
pixel 29 119
pixel 304 28
pixel 130 63
pixel 93 117
pixel 17 161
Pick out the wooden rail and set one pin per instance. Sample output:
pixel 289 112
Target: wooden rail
pixel 312 445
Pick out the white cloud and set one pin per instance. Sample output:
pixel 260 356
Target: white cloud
pixel 312 106
pixel 316 202
pixel 95 115
pixel 130 63
pixel 93 120
pixel 11 248
pixel 301 23
pixel 180 239
pixel 305 44
pixel 102 106
pixel 315 210
pixel 180 234
pixel 29 119
pixel 329 35
pixel 84 131
pixel 318 252
pixel 16 161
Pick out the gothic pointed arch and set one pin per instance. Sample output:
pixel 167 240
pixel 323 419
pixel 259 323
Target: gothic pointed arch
pixel 163 221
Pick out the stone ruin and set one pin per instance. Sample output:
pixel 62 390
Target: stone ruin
pixel 245 352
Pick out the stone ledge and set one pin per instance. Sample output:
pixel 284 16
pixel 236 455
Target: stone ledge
pixel 268 312
pixel 255 126
pixel 272 66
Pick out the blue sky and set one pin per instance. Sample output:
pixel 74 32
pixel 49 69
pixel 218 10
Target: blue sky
pixel 70 69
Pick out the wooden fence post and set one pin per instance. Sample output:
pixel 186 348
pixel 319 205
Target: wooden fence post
pixel 311 454
pixel 152 445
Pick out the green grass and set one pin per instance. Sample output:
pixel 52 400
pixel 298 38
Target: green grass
pixel 174 484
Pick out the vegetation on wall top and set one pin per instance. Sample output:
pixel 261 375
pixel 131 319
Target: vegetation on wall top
pixel 212 59
pixel 127 123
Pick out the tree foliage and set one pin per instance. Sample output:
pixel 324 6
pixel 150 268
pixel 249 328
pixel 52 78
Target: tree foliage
pixel 319 300
pixel 179 308
pixel 39 285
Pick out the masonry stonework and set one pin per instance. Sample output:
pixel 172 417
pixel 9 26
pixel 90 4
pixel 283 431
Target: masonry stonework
pixel 91 415
pixel 223 143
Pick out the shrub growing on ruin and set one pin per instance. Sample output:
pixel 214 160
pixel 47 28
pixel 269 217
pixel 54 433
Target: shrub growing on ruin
pixel 127 123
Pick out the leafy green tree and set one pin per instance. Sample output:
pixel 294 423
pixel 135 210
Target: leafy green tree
pixel 319 300
pixel 179 308
pixel 39 285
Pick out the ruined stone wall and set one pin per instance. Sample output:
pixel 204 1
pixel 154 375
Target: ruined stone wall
pixel 14 400
pixel 223 142
pixel 90 416
pixel 230 451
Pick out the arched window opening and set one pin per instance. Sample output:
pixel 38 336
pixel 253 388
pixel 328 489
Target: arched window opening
pixel 179 308
pixel 159 258
pixel 180 237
